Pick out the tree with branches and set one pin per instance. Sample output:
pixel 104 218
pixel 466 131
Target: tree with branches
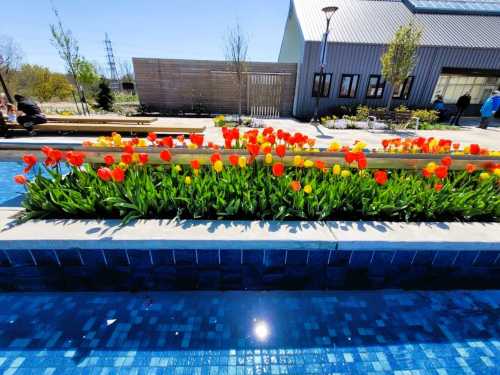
pixel 236 55
pixel 11 56
pixel 69 51
pixel 400 58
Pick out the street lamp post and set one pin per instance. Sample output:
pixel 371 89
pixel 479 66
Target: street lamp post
pixel 329 12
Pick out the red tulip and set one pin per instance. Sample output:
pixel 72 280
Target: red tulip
pixel 109 160
pixel 475 149
pixel 253 149
pixel 129 149
pixel 281 150
pixel 75 159
pixel 278 169
pixel 446 161
pixel 295 186
pixel 233 160
pixel 441 172
pixel 438 187
pixel 195 164
pixel 30 161
pixel 104 174
pixel 152 136
pixel 143 158
pixel 214 158
pixel 362 163
pixel 20 179
pixel 118 174
pixel 167 142
pixel 380 177
pixel 470 168
pixel 196 139
pixel 165 155
pixel 349 157
pixel 127 158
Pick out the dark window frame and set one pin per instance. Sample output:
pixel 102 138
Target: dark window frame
pixel 351 76
pixel 322 88
pixel 380 84
pixel 402 95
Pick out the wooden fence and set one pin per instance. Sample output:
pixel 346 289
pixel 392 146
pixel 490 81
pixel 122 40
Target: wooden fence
pixel 268 89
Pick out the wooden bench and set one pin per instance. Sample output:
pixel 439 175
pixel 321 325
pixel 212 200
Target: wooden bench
pixel 61 127
pixel 101 119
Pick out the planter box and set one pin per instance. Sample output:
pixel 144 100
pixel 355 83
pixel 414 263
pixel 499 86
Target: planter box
pixel 221 255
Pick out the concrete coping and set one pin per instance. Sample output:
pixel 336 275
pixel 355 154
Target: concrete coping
pixel 245 235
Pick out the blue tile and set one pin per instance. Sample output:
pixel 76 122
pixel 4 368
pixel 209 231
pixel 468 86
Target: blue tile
pixel 382 258
pixel 487 259
pixel 139 258
pixel 208 258
pixel 45 258
pixel 4 260
pixel 361 258
pixel 184 257
pixel 231 257
pixel 403 258
pixel 274 258
pixel 466 258
pixel 319 257
pixel 340 258
pixel 444 258
pixel 116 258
pixel 70 258
pixel 93 258
pixel 254 257
pixel 424 258
pixel 162 257
pixel 21 258
pixel 297 257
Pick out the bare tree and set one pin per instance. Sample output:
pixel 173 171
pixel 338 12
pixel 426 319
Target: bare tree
pixel 236 55
pixel 126 71
pixel 69 51
pixel 11 56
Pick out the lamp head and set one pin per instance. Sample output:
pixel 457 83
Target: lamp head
pixel 329 11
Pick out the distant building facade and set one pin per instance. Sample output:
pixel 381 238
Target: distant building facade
pixel 459 52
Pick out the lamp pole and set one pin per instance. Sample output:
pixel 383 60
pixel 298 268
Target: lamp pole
pixel 329 12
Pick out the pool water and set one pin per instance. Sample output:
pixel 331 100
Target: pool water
pixel 250 333
pixel 10 192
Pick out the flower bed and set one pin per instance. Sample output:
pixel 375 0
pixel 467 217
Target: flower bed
pixel 258 184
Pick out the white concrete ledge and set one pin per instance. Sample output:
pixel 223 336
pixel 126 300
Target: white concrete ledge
pixel 246 235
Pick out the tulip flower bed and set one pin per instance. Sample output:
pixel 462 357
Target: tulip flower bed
pixel 278 176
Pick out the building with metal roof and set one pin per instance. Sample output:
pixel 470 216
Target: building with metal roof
pixel 459 51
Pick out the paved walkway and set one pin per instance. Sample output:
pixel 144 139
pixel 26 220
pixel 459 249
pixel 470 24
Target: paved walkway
pixel 467 134
pixel 250 333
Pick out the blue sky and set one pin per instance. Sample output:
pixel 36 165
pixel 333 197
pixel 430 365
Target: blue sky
pixel 192 29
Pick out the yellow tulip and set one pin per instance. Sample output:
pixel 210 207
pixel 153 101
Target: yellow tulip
pixel 484 176
pixel 196 172
pixel 308 189
pixel 188 180
pixel 431 167
pixel 268 159
pixel 178 168
pixel 334 147
pixel 496 172
pixel 298 161
pixel 308 164
pixel 337 169
pixel 345 173
pixel 142 143
pixel 218 166
pixel 122 165
pixel 242 162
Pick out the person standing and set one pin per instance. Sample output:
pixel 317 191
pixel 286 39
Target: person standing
pixel 462 104
pixel 29 113
pixel 490 106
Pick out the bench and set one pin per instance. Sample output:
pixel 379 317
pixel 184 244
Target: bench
pixel 101 119
pixel 60 127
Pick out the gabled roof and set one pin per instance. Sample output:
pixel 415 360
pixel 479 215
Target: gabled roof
pixel 376 21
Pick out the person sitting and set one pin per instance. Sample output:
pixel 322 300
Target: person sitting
pixel 29 114
pixel 11 113
pixel 440 107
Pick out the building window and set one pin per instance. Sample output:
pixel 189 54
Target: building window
pixel 322 84
pixel 402 92
pixel 348 85
pixel 376 86
pixel 453 86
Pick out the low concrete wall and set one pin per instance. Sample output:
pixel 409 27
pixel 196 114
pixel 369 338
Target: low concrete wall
pixel 214 255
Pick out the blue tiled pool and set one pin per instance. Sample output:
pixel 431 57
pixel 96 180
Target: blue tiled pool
pixel 10 193
pixel 250 333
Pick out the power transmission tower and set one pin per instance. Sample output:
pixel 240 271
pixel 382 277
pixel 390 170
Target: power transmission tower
pixel 115 81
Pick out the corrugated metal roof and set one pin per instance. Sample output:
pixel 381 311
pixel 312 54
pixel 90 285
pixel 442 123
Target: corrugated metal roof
pixel 375 22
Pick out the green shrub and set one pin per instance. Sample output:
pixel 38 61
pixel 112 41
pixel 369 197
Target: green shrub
pixel 426 115
pixel 362 113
